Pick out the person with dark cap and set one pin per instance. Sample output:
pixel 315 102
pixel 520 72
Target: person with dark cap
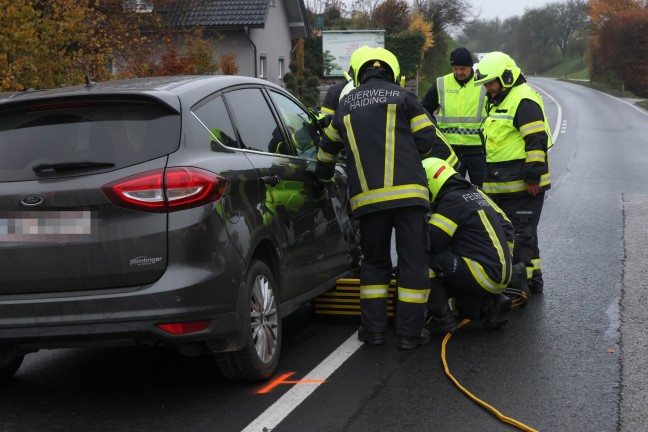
pixel 386 133
pixel 459 107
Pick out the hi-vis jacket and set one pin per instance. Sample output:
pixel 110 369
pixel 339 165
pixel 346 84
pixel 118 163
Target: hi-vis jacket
pixel 461 110
pixel 386 133
pixel 473 227
pixel 517 139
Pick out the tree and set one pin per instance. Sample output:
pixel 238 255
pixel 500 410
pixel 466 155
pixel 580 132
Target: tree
pixel 600 11
pixel 483 36
pixel 568 19
pixel 392 15
pixel 57 42
pixel 624 49
pixel 443 15
pixel 533 47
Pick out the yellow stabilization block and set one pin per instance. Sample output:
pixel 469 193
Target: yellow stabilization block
pixel 345 299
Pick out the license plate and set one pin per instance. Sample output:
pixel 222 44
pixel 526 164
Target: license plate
pixel 46 226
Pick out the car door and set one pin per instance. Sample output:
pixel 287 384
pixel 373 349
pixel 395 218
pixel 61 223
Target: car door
pixel 331 220
pixel 291 200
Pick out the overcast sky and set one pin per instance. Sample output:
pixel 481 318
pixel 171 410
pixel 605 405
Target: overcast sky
pixel 503 9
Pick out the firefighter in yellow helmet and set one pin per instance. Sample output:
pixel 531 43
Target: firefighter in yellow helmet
pixel 517 140
pixel 386 133
pixel 470 258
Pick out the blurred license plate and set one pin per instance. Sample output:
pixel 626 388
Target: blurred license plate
pixel 46 225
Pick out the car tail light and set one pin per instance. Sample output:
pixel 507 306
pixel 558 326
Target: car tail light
pixel 184 327
pixel 163 190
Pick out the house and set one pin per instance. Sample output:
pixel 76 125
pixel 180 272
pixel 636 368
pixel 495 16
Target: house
pixel 261 33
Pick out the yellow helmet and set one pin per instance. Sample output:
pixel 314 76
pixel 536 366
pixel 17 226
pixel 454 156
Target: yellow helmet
pixel 437 172
pixel 497 65
pixel 382 57
pixel 356 56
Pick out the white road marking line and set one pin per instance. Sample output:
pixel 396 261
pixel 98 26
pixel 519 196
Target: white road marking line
pixel 554 137
pixel 279 410
pixel 641 110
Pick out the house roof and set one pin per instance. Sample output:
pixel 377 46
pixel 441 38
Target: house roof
pixel 219 13
pixel 235 14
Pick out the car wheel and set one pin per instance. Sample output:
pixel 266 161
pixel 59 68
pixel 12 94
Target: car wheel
pixel 258 359
pixel 9 364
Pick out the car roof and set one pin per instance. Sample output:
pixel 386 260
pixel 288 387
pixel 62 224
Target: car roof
pixel 170 89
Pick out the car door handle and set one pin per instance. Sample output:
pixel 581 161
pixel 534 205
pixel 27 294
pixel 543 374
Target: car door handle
pixel 271 180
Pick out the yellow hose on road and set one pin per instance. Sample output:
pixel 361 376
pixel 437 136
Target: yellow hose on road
pixel 475 399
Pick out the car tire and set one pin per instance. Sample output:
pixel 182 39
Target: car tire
pixel 258 359
pixel 9 364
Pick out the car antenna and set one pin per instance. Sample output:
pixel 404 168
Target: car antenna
pixel 89 82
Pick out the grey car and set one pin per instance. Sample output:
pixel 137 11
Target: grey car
pixel 171 211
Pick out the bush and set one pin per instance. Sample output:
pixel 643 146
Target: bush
pixel 623 49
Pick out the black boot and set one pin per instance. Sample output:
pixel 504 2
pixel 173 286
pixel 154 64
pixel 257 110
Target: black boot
pixel 495 312
pixel 518 288
pixel 371 338
pixel 440 321
pixel 408 343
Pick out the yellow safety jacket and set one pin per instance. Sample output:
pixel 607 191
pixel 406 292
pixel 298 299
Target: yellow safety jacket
pixel 511 162
pixel 461 110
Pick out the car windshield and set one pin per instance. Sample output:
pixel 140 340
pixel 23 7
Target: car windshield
pixel 83 135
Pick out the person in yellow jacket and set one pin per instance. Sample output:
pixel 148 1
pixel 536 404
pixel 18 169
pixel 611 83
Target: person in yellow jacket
pixel 459 108
pixel 517 140
pixel 386 133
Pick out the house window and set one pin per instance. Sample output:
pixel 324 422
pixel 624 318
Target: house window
pixel 281 69
pixel 263 66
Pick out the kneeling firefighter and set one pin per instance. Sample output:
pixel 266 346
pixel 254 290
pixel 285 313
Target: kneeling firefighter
pixel 471 244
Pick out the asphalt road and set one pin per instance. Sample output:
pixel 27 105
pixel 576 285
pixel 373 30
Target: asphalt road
pixel 573 360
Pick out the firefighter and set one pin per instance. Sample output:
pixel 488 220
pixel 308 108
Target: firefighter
pixel 459 107
pixel 336 92
pixel 386 133
pixel 517 140
pixel 471 243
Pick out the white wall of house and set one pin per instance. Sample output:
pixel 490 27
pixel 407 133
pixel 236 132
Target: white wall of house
pixel 273 46
pixel 239 44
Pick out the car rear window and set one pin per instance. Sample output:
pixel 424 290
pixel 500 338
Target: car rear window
pixel 108 134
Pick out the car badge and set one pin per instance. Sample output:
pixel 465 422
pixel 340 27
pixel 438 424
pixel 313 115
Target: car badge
pixel 31 200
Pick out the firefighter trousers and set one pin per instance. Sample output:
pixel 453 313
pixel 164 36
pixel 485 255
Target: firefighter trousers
pixel 450 277
pixel 410 227
pixel 524 214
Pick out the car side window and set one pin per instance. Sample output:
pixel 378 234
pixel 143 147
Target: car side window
pixel 304 132
pixel 254 121
pixel 214 115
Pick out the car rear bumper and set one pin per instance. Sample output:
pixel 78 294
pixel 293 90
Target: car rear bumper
pixel 129 316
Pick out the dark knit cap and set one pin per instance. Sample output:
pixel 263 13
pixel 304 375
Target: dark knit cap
pixel 461 57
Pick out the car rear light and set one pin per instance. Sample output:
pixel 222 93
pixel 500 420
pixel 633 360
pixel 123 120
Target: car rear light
pixel 163 190
pixel 184 327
